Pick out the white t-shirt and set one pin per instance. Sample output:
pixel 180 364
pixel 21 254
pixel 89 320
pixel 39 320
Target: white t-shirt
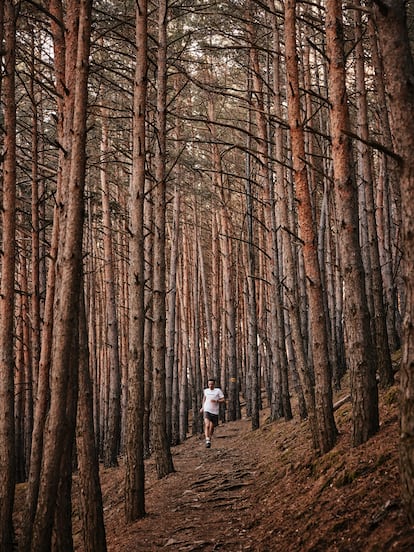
pixel 209 394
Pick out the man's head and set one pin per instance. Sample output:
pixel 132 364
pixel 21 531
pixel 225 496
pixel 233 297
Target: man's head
pixel 211 383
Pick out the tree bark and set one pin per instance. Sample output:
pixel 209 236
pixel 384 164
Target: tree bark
pixel 295 341
pixel 171 330
pixel 359 349
pixel 64 75
pixel 135 473
pixel 66 307
pixel 194 280
pixel 379 319
pixel 389 208
pixel 19 387
pixel 35 222
pixel 256 102
pixel 113 433
pixel 394 42
pixel 161 445
pixel 62 539
pixel 93 528
pixel 8 212
pixel 149 312
pixel 230 335
pixel 319 337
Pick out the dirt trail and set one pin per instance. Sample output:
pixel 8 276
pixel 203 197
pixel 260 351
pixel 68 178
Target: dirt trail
pixel 203 505
pixel 267 491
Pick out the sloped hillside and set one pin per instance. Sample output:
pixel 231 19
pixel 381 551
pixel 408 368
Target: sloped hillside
pixel 266 491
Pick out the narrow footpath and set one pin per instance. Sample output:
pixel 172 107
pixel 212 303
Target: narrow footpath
pixel 203 505
pixel 267 491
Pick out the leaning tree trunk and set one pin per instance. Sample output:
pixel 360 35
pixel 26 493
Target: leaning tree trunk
pixel 399 68
pixel 359 352
pixel 8 212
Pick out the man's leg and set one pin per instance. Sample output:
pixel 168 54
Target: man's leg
pixel 208 427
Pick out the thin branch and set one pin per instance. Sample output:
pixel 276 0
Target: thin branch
pixel 375 145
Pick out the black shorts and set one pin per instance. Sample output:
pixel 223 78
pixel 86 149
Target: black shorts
pixel 212 417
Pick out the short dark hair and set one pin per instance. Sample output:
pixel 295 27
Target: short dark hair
pixel 211 379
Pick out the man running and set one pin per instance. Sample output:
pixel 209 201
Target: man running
pixel 212 398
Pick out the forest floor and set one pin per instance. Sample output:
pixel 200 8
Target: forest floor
pixel 266 490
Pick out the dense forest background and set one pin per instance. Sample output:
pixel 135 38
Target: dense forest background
pixel 195 189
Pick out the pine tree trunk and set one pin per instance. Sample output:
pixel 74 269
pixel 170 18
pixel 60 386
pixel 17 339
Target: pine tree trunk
pixel 379 329
pixel 64 77
pixel 66 307
pixel 223 279
pixel 8 218
pixel 24 396
pixel 161 446
pixel 171 412
pixel 183 408
pixel 93 528
pixel 149 313
pixel 194 280
pixel 206 295
pixel 186 316
pixel 35 223
pixel 399 67
pixel 359 348
pixel 19 387
pixel 216 293
pixel 257 103
pixel 295 343
pixel 319 338
pixel 388 211
pixel 113 434
pixel 92 330
pixel 275 223
pixel 134 473
pixel 62 540
pixel 230 338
